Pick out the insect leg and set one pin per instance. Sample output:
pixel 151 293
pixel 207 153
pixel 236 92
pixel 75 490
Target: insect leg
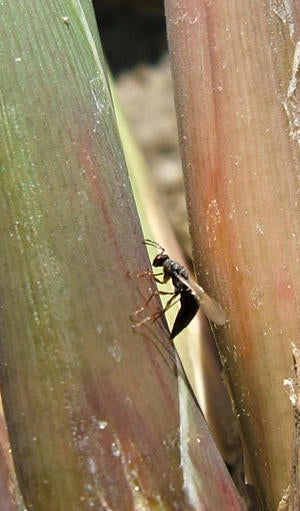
pixel 154 293
pixel 168 305
pixel 156 315
pixel 151 274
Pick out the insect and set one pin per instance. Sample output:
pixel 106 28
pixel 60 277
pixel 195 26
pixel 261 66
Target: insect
pixel 191 295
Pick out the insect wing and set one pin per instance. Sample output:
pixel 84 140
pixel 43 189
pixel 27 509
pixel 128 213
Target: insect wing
pixel 212 310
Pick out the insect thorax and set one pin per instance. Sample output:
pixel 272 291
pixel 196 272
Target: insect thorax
pixel 172 269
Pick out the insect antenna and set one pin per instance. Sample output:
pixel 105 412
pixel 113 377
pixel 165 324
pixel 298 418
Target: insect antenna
pixel 154 244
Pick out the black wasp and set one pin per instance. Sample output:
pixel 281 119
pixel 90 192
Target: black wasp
pixel 192 296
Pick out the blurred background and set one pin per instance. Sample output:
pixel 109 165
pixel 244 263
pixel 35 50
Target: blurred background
pixel 134 40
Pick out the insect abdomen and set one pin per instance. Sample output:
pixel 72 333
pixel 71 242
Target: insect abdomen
pixel 188 309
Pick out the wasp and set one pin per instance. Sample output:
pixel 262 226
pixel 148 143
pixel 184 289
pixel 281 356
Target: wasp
pixel 191 295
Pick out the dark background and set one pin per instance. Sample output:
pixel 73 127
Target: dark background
pixel 130 33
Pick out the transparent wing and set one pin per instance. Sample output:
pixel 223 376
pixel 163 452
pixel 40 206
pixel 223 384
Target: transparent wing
pixel 212 310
